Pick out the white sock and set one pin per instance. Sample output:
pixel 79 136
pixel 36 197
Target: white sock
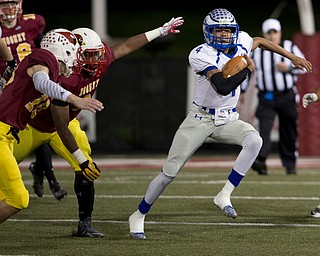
pixel 228 188
pixel 141 215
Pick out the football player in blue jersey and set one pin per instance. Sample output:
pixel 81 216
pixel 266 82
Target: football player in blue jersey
pixel 213 111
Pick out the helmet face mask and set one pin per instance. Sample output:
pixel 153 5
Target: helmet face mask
pixel 91 55
pixel 215 21
pixel 63 44
pixel 10 9
pixel 91 60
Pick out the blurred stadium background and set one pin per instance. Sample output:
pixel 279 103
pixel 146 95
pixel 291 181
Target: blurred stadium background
pixel 145 93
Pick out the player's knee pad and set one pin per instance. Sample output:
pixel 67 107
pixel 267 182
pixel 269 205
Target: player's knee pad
pixel 166 179
pixel 19 200
pixel 253 141
pixel 171 168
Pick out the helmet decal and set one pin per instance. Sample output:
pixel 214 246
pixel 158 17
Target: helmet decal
pixel 63 44
pixel 91 55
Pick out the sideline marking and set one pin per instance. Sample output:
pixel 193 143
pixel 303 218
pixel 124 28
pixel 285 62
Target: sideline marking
pixel 246 224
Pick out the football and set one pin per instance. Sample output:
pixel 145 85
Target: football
pixel 234 66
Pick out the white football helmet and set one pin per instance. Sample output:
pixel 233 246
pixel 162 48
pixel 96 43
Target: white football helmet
pixel 220 18
pixel 10 9
pixel 91 55
pixel 63 44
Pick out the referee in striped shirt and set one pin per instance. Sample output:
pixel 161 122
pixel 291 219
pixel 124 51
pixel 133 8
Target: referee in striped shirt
pixel 276 83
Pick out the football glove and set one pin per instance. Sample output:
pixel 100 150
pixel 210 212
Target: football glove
pixel 169 27
pixel 90 170
pixel 309 98
pixel 3 83
pixel 11 65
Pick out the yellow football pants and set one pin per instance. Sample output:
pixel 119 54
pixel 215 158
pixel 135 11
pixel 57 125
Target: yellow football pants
pixel 12 188
pixel 30 139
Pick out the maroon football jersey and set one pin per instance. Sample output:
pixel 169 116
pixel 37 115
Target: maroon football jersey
pixel 20 38
pixel 80 85
pixel 20 101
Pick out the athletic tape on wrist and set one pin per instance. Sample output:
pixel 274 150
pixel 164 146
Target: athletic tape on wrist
pixel 152 34
pixel 79 156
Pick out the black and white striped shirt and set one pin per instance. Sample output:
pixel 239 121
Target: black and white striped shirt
pixel 268 78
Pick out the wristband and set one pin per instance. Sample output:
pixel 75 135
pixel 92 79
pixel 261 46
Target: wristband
pixel 153 34
pixel 79 156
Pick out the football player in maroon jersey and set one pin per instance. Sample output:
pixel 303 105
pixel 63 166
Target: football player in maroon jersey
pixel 30 89
pixel 94 58
pixel 23 33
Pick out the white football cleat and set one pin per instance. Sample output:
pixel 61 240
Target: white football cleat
pixel 315 213
pixel 136 224
pixel 222 201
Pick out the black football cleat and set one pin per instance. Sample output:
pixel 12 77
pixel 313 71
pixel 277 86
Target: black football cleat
pixel 57 191
pixel 59 194
pixel 85 229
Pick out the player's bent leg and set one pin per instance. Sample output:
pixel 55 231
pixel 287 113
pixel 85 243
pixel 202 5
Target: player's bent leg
pixel 14 194
pixel 251 146
pixel 16 200
pixel 82 142
pixel 38 175
pixel 155 189
pixel 37 179
pixel 18 197
pixel 183 146
pixel 6 211
pixel 43 167
pixel 85 192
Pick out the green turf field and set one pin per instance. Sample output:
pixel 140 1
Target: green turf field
pixel 273 216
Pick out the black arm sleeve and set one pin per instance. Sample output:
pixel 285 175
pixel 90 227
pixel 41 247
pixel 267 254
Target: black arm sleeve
pixel 225 86
pixel 59 103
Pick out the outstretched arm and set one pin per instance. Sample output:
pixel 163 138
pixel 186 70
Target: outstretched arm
pixel 299 62
pixel 133 43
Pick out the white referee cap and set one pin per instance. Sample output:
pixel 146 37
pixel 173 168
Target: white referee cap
pixel 271 24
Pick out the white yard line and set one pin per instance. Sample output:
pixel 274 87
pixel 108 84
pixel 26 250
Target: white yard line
pixel 184 223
